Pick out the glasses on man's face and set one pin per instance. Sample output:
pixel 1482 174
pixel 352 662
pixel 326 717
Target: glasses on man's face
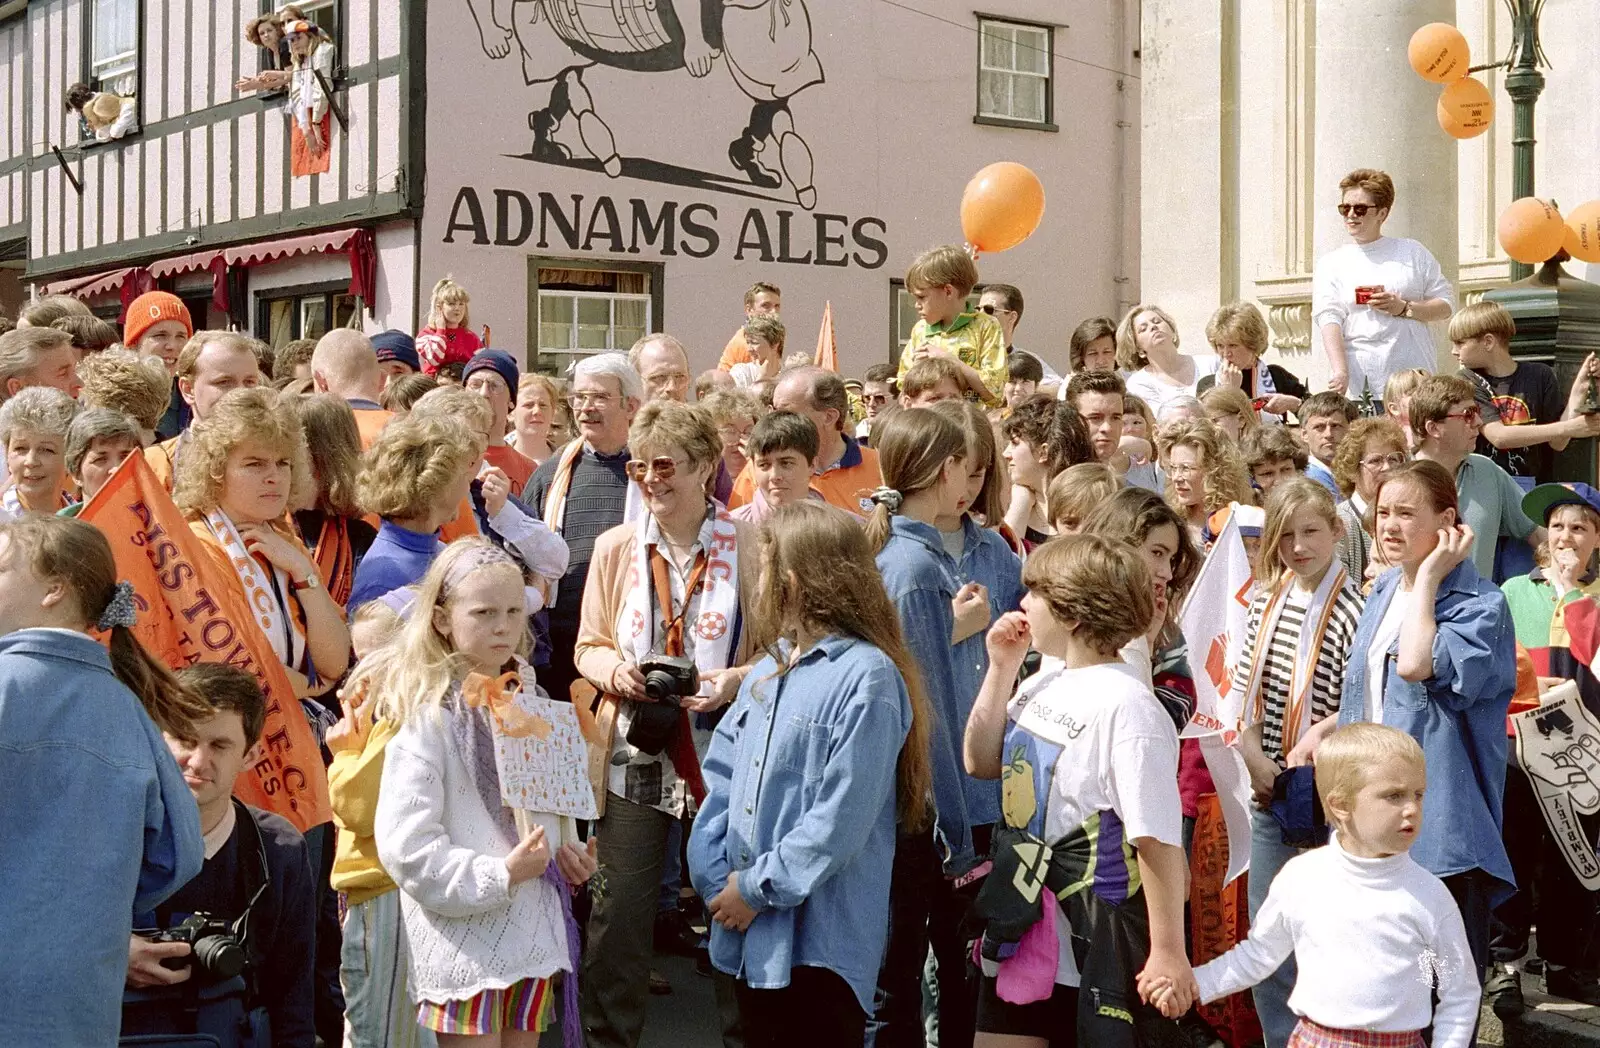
pixel 662 467
pixel 875 398
pixel 584 400
pixel 1383 463
pixel 1358 210
pixel 1471 414
pixel 991 309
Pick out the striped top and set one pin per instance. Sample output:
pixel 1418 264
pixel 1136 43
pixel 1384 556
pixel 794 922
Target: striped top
pixel 1278 668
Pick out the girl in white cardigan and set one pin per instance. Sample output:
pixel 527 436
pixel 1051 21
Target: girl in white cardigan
pixel 487 914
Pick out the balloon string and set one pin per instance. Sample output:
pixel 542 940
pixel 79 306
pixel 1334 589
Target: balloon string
pixel 972 250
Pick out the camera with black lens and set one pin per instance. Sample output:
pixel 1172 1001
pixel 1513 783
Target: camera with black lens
pixel 213 946
pixel 667 680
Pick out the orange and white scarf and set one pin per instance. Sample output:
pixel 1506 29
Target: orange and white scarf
pixel 1297 714
pixel 266 591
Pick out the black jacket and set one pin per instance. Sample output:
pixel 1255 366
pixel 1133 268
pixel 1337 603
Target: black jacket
pixel 1282 381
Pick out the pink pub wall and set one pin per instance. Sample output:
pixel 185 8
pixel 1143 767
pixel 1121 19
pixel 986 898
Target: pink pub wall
pixel 881 96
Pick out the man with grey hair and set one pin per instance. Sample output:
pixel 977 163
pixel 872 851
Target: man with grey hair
pixel 663 367
pixel 583 490
pixel 844 467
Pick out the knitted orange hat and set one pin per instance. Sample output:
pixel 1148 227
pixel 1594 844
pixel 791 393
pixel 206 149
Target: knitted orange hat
pixel 150 309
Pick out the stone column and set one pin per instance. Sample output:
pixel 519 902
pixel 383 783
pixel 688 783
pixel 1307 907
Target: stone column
pixel 1373 111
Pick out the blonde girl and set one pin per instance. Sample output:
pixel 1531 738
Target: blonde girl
pixel 804 939
pixel 448 337
pixel 1231 411
pixel 922 457
pixel 1397 400
pixel 486 911
pixel 1298 638
pixel 33 428
pixel 1204 473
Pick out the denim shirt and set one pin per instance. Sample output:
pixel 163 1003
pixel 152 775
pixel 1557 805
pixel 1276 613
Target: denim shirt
pixel 920 578
pixel 988 561
pixel 96 823
pixel 1458 716
pixel 800 802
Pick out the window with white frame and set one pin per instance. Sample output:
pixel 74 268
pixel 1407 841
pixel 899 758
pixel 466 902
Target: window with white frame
pixel 114 46
pixel 1014 65
pixel 295 313
pixel 586 311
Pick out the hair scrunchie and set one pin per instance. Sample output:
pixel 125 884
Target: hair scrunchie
pixel 888 498
pixel 121 610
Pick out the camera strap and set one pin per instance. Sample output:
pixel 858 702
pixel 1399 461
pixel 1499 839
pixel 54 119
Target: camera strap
pixel 257 874
pixel 672 625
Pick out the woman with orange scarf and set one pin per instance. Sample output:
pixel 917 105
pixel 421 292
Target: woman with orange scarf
pixel 245 466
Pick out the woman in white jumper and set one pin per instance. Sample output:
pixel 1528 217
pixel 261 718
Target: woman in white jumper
pixel 487 914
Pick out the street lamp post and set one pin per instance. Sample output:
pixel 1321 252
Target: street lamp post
pixel 1524 83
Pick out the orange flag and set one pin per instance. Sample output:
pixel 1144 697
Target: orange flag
pixel 188 613
pixel 827 355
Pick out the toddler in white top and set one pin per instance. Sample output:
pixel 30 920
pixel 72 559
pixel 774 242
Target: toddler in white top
pixel 1374 934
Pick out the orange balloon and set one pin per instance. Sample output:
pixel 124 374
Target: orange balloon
pixel 1001 206
pixel 1466 108
pixel 1583 232
pixel 1439 53
pixel 1531 230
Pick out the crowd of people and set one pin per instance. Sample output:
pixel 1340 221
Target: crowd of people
pixel 880 682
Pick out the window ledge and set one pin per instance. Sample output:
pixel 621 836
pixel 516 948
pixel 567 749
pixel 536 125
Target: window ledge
pixel 1024 125
pixel 85 146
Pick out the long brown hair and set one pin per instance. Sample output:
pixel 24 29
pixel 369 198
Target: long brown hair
pixel 913 446
pixel 77 554
pixel 334 443
pixel 990 505
pixel 1130 516
pixel 836 589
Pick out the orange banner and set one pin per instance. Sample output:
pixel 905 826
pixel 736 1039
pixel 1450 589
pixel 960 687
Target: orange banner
pixel 188 614
pixel 1219 920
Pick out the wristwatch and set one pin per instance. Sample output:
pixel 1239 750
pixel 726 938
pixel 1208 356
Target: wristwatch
pixel 311 581
pixel 1409 313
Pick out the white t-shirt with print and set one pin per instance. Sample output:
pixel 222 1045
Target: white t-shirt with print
pixel 1119 752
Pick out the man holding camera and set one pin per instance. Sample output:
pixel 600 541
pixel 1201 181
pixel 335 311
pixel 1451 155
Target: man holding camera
pixel 252 906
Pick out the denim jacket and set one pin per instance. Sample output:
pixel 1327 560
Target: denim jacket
pixel 1458 716
pixel 95 823
pixel 920 578
pixel 988 561
pixel 800 802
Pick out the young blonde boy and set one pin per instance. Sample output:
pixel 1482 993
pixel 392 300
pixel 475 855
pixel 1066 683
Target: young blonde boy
pixel 1525 418
pixel 1376 937
pixel 939 282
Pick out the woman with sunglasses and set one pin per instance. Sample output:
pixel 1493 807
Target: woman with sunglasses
pixel 1372 300
pixel 679 581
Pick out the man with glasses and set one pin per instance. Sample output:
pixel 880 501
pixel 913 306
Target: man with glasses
pixel 583 490
pixel 879 397
pixel 1373 299
pixel 1445 419
pixel 1004 303
pixel 663 367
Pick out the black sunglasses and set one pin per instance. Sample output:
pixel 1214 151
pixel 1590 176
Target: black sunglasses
pixel 1358 210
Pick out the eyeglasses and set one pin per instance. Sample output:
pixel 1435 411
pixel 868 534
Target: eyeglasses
pixel 1358 210
pixel 1468 415
pixel 1182 470
pixel 662 467
pixel 583 400
pixel 991 309
pixel 875 398
pixel 1383 463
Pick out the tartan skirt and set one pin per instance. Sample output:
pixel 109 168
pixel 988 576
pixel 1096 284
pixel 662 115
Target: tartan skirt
pixel 1308 1034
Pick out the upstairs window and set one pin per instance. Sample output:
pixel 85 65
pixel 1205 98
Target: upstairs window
pixel 114 46
pixel 1014 74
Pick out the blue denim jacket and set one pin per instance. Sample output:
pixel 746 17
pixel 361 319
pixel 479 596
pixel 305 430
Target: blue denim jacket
pixel 800 801
pixel 95 823
pixel 1458 716
pixel 920 578
pixel 988 561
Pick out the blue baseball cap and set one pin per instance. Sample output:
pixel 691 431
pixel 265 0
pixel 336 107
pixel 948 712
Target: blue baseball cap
pixel 1544 498
pixel 397 346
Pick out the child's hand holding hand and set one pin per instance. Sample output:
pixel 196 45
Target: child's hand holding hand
pixel 1168 983
pixel 577 864
pixel 529 858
